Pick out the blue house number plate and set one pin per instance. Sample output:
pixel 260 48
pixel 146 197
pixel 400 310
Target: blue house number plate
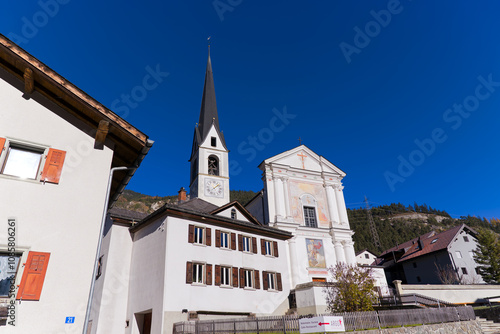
pixel 70 320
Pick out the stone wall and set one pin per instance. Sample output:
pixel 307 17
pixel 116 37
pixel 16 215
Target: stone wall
pixel 489 313
pixel 464 327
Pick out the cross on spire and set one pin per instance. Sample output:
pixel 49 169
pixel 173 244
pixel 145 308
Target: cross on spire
pixel 300 141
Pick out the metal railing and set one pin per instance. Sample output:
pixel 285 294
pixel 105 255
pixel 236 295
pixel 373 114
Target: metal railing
pixel 352 321
pixel 414 299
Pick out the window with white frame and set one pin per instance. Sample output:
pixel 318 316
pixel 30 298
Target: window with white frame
pixel 271 281
pixel 268 246
pixel 225 240
pixel 458 254
pixel 247 244
pixel 199 233
pixel 226 276
pixel 248 278
pixel 310 216
pixel 198 272
pixel 23 162
pixel 8 270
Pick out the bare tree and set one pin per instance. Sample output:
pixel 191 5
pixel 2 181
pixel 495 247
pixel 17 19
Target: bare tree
pixel 446 274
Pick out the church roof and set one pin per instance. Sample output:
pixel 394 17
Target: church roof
pixel 208 112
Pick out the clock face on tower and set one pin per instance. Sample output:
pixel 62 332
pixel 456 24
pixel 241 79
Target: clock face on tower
pixel 214 188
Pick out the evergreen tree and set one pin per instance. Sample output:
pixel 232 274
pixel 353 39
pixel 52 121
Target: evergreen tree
pixel 487 255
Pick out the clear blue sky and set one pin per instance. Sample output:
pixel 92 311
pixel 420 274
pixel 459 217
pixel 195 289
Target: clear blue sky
pixel 402 96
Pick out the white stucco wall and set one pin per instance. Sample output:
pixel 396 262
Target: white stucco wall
pixel 62 219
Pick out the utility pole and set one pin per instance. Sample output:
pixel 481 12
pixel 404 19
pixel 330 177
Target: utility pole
pixel 373 230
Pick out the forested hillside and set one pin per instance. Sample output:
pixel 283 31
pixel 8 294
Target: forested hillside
pixel 395 223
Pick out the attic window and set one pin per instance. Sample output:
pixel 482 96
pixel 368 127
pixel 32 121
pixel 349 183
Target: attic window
pixel 213 141
pixel 466 238
pixel 233 213
pixel 433 241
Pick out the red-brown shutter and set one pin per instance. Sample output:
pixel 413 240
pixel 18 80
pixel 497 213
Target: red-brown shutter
pixel 263 246
pixel 254 245
pixel 240 242
pixel 256 279
pixel 208 274
pixel 217 275
pixel 191 234
pixel 278 279
pixel 2 144
pixel 233 241
pixel 275 246
pixel 208 236
pixel 235 277
pixel 33 276
pixel 53 166
pixel 217 238
pixel 265 281
pixel 242 278
pixel 189 272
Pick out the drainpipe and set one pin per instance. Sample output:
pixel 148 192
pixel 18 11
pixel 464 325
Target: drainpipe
pixel 96 261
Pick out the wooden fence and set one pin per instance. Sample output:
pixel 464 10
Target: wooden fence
pixel 352 321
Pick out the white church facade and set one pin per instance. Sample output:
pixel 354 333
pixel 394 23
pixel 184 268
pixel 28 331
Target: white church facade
pixel 206 257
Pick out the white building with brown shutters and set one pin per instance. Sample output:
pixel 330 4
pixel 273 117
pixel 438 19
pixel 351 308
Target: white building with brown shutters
pixel 57 145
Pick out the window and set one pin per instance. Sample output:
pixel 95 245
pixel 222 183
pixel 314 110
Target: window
pixel 310 216
pixel 367 256
pixel 224 240
pixel 414 264
pixel 22 162
pixel 433 241
pixel 213 141
pixel 247 244
pixel 226 276
pixel 464 270
pixel 25 161
pixel 233 213
pixel 419 279
pixel 198 270
pixel 458 254
pixel 199 235
pixel 466 238
pixel 198 273
pixel 8 269
pixel 248 278
pixel 272 281
pixel 213 165
pixel 269 248
pixel 477 270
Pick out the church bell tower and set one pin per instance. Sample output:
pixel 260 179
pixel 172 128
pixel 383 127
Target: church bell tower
pixel 209 156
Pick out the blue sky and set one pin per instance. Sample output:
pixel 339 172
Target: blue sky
pixel 401 95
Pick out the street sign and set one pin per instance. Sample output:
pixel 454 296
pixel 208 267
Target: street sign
pixel 323 324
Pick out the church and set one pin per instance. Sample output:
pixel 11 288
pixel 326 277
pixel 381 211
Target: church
pixel 206 257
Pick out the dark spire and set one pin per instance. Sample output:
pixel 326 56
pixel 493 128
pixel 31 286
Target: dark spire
pixel 208 112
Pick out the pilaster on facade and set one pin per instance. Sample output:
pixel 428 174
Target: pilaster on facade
pixel 339 252
pixel 339 196
pixel 332 204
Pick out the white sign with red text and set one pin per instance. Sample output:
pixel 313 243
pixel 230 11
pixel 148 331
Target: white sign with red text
pixel 321 324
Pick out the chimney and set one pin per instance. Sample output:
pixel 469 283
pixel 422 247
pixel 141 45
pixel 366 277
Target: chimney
pixel 182 195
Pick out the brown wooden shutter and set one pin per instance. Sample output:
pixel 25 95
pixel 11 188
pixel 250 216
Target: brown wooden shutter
pixel 254 245
pixel 278 280
pixel 191 234
pixel 53 166
pixel 2 144
pixel 242 278
pixel 208 274
pixel 265 281
pixel 233 241
pixel 189 272
pixel 256 279
pixel 275 246
pixel 217 275
pixel 208 236
pixel 33 276
pixel 217 238
pixel 235 277
pixel 263 246
pixel 240 242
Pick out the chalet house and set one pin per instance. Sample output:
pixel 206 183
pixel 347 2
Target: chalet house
pixel 425 259
pixel 57 145
pixel 365 257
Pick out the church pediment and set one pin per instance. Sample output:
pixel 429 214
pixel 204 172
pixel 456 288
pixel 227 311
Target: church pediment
pixel 303 158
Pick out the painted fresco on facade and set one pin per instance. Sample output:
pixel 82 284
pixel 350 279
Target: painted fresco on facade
pixel 315 253
pixel 297 189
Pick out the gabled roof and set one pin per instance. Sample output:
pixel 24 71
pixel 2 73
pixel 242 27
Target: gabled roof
pixel 429 243
pixel 41 82
pixel 127 214
pixel 365 250
pixel 240 208
pixel 291 157
pixel 208 218
pixel 198 205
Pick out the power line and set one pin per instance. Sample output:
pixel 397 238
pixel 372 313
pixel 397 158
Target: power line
pixel 373 230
